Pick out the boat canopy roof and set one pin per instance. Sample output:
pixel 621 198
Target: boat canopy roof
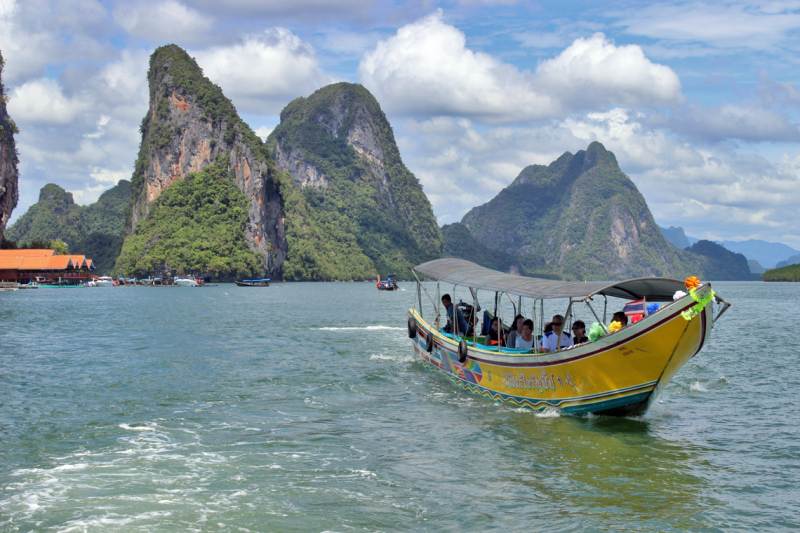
pixel 463 273
pixel 254 280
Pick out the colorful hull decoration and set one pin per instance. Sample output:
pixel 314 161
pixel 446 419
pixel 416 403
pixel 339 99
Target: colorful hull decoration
pixel 620 374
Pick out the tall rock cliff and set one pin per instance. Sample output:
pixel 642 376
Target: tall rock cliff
pixel 190 125
pixel 340 151
pixel 9 190
pixel 580 217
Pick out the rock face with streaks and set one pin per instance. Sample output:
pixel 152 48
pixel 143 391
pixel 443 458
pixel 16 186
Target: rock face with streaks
pixel 339 148
pixel 9 176
pixel 582 217
pixel 188 126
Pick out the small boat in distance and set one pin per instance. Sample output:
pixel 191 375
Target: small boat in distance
pixel 619 373
pixel 388 284
pixel 253 283
pixel 186 282
pixel 104 281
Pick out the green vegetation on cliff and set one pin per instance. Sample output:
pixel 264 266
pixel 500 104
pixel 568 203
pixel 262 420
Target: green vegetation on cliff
pixel 157 131
pixel 787 273
pixel 720 264
pixel 459 242
pixel 582 217
pixel 197 225
pixel 318 248
pixel 54 216
pixel 368 193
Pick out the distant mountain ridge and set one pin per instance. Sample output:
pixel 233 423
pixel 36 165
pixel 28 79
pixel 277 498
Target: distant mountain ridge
pixel 676 237
pixel 768 254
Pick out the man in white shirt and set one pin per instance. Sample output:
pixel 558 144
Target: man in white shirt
pixel 550 340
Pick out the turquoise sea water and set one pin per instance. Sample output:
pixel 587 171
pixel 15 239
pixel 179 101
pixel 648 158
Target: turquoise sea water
pixel 299 408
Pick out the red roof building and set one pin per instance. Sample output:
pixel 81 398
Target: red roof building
pixel 44 266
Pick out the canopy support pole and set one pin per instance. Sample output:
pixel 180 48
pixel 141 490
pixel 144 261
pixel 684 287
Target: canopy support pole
pixel 605 306
pixel 535 336
pixel 602 323
pixel 438 308
pixel 419 284
pixel 569 309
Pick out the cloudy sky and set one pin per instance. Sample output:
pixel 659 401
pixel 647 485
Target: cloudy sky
pixel 699 101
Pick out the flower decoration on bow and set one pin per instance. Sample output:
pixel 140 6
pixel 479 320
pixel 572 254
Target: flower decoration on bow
pixel 615 326
pixel 701 302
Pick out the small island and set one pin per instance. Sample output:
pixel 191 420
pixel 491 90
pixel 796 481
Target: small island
pixel 787 273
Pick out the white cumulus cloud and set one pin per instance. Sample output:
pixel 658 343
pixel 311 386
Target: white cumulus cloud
pixel 426 68
pixel 164 22
pixel 264 71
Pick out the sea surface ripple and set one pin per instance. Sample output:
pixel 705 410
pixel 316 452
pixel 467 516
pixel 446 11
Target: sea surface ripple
pixel 299 407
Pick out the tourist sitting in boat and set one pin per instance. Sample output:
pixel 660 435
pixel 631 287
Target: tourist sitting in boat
pixel 495 335
pixel 550 340
pixel 516 327
pixel 618 321
pixel 579 332
pixel 525 337
pixel 451 308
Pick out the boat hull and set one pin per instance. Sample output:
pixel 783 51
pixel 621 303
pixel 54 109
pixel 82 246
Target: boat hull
pixel 620 374
pixel 245 284
pixel 186 283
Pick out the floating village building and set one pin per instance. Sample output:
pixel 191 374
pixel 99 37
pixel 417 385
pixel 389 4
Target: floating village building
pixel 44 266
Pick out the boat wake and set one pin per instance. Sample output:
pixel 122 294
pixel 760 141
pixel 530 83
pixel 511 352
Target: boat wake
pixel 549 412
pixel 396 358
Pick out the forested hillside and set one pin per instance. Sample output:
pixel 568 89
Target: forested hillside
pixel 94 230
pixel 196 225
pixel 582 217
pixel 340 151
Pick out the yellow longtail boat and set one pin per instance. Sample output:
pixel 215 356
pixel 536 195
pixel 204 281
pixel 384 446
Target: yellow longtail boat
pixel 620 373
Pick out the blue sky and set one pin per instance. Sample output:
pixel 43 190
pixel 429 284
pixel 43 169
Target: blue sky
pixel 698 100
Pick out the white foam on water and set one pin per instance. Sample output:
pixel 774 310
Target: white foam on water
pixel 102 522
pixel 148 427
pixel 549 412
pixel 364 473
pixel 65 468
pixel 697 387
pixel 387 357
pixel 368 328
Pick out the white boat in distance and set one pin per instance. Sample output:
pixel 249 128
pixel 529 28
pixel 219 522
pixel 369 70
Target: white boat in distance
pixel 104 281
pixel 186 282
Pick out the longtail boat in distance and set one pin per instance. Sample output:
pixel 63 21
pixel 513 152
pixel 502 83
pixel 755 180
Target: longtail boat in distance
pixel 620 372
pixel 389 284
pixel 253 283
